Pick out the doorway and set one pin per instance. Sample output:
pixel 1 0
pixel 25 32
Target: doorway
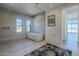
pixel 71 25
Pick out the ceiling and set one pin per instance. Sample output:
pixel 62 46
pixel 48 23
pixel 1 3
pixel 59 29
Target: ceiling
pixel 31 9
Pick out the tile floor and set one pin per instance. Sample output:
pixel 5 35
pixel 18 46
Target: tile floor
pixel 19 47
pixel 25 46
pixel 72 44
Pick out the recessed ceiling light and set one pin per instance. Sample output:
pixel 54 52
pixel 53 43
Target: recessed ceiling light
pixel 37 3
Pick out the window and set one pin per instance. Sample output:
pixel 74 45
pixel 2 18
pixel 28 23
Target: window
pixel 28 24
pixel 18 25
pixel 72 20
pixel 73 27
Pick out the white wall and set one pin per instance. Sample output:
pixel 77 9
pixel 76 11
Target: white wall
pixel 39 23
pixel 8 18
pixel 54 33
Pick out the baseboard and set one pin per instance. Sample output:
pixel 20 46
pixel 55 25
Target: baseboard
pixel 54 43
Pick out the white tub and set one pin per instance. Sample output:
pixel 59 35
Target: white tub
pixel 35 36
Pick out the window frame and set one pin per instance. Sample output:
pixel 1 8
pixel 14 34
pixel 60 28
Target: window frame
pixel 72 28
pixel 19 25
pixel 28 25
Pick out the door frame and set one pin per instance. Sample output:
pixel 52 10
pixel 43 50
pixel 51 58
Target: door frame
pixel 64 27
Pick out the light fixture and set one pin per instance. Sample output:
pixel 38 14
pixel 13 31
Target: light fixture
pixel 37 3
